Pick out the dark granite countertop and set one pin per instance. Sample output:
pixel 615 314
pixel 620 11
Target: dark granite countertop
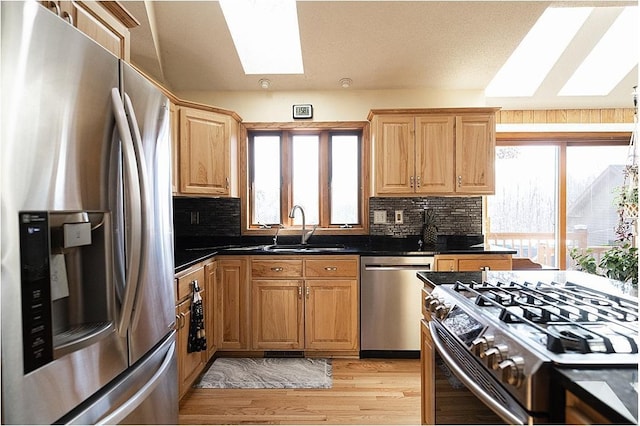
pixel 185 257
pixel 611 391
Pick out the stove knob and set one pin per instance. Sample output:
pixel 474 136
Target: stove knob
pixel 495 355
pixel 433 304
pixel 481 344
pixel 442 311
pixel 512 370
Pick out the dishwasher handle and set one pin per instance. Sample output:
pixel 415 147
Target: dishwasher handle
pixel 398 267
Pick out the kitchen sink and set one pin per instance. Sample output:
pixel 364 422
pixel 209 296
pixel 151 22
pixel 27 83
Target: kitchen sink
pixel 304 248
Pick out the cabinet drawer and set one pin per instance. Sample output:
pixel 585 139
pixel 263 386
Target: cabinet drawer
pixel 274 268
pixel 480 264
pixel 347 268
pixel 184 282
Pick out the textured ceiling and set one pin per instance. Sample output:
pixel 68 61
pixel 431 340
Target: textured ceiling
pixel 380 45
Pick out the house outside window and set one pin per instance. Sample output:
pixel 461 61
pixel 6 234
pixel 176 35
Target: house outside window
pixel 554 195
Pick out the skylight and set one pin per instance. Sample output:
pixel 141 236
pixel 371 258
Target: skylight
pixel 540 49
pixel 610 61
pixel 266 35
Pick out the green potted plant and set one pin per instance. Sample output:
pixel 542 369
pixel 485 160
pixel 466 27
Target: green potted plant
pixel 620 262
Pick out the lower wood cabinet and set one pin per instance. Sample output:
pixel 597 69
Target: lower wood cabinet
pixel 427 378
pixel 579 412
pixel 190 364
pixel 473 262
pixel 210 271
pixel 232 303
pixel 305 303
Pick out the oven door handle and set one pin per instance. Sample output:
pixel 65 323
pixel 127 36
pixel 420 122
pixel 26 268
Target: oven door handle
pixel 469 383
pixel 405 267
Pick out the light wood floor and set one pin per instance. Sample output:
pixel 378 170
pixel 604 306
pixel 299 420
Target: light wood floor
pixel 365 391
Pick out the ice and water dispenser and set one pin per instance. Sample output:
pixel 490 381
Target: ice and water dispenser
pixel 67 286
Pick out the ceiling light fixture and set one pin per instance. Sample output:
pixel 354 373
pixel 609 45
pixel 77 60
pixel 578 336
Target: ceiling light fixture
pixel 264 83
pixel 265 34
pixel 345 82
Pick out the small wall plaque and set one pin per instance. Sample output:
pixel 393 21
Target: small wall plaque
pixel 303 111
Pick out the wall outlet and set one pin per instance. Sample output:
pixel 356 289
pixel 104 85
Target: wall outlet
pixel 399 217
pixel 379 216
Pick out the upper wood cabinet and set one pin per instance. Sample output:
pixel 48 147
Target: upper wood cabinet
pixel 208 152
pixel 107 23
pixel 433 151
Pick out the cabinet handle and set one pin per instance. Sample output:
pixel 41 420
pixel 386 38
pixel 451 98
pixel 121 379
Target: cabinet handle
pixel 68 17
pixel 331 268
pixel 277 269
pixel 299 292
pixel 485 268
pixel 182 320
pixel 411 181
pixel 459 181
pixel 227 182
pixel 418 182
pixel 177 323
pixel 307 292
pixel 55 6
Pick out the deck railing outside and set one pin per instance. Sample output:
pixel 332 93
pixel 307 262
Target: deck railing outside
pixel 540 247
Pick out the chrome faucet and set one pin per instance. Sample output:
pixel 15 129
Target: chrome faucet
pixel 305 236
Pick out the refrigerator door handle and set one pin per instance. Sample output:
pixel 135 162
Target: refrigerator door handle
pixel 133 191
pixel 144 184
pixel 128 407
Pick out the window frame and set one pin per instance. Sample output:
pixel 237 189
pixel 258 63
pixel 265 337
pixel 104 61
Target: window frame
pixel 325 130
pixel 561 140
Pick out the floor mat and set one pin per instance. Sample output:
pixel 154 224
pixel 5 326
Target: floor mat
pixel 268 373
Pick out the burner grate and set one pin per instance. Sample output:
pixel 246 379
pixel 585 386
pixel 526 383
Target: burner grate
pixel 573 318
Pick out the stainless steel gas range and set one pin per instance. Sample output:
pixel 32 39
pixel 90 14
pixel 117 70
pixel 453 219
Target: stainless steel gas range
pixel 503 334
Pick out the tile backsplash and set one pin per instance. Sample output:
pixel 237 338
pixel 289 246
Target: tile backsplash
pixel 220 217
pixel 452 215
pixel 206 217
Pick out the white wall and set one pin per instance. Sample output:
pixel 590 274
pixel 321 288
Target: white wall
pixel 337 105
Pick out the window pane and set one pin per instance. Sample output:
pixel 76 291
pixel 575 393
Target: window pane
pixel 593 173
pixel 266 179
pixel 305 177
pixel 523 211
pixel 344 179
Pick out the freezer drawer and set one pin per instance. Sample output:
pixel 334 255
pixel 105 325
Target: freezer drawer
pixel 147 393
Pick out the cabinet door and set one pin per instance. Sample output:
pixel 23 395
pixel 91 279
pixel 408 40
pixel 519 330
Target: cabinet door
pixel 232 300
pixel 394 151
pixel 277 309
pixel 475 153
pixel 427 379
pixel 331 314
pixel 205 164
pixel 210 270
pixel 189 364
pixel 446 264
pixel 435 147
pixel 96 22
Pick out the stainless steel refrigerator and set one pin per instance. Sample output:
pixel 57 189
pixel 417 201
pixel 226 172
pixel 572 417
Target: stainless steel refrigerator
pixel 87 292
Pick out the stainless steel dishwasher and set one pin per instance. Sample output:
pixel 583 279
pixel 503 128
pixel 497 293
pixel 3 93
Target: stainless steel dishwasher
pixel 390 308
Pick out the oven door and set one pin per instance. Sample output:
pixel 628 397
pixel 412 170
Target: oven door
pixel 475 378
